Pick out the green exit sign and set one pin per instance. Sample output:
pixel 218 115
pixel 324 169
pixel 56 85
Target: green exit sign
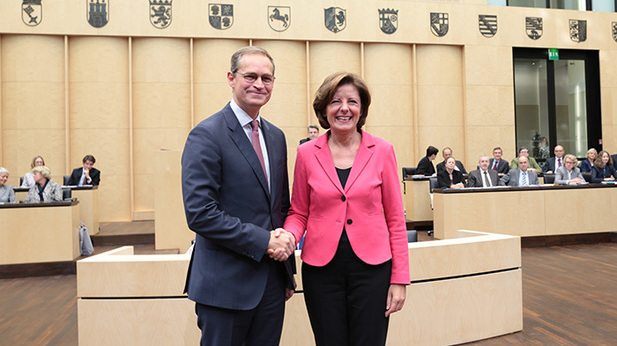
pixel 553 54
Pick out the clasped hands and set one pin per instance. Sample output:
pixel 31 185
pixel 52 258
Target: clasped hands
pixel 281 245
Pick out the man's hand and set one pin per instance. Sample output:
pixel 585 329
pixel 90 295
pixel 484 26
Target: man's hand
pixel 282 244
pixel 87 173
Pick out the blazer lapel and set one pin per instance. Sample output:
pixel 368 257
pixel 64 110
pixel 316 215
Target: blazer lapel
pixel 238 136
pixel 365 152
pixel 324 158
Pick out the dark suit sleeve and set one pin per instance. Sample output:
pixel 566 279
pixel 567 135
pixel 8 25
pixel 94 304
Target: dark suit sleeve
pixel 74 178
pixel 202 177
pixel 506 166
pixel 443 179
pixel 95 175
pixel 472 181
pixel 441 167
pixel 461 167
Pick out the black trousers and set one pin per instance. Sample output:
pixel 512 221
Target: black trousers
pixel 346 299
pixel 260 326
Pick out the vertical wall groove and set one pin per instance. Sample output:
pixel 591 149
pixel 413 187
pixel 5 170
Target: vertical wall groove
pixel 131 144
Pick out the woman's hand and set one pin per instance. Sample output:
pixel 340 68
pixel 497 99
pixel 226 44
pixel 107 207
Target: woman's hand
pixel 396 298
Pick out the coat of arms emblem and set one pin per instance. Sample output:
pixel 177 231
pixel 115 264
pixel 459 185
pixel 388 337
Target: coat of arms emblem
pixel 614 30
pixel 533 27
pixel 578 30
pixel 221 16
pixel 439 24
pixel 487 25
pixel 335 19
pixel 279 17
pixel 31 12
pixel 160 13
pixel 388 20
pixel 98 12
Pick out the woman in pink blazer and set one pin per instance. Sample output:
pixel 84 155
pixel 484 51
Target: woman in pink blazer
pixel 346 195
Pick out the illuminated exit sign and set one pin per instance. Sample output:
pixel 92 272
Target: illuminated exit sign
pixel 553 54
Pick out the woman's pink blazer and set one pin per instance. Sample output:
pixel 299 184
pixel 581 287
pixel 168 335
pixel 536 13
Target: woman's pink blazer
pixel 370 207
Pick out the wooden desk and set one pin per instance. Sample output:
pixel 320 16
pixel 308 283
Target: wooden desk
pixel 88 197
pixel 39 232
pixel 529 211
pixel 417 199
pixel 462 290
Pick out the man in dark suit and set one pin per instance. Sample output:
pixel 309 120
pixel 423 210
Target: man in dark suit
pixel 483 177
pixel 614 158
pixel 236 195
pixel 522 176
pixel 313 132
pixel 86 175
pixel 553 163
pixel 497 164
pixel 447 153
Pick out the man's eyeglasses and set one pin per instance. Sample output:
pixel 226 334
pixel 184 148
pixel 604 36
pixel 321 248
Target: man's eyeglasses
pixel 252 78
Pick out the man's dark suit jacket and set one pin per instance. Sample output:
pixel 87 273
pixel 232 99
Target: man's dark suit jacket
pixel 425 167
pixel 230 208
pixel 502 167
pixel 304 140
pixel 95 174
pixel 614 157
pixel 551 164
pixel 442 166
pixel 475 178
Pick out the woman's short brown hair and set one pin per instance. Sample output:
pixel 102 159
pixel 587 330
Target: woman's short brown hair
pixel 326 91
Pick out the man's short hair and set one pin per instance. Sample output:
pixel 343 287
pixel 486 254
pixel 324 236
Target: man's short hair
pixel 497 148
pixel 237 56
pixel 444 149
pixel 89 158
pixel 313 127
pixel 480 159
pixel 521 149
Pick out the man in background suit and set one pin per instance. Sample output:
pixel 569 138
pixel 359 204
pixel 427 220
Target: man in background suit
pixel 313 132
pixel 553 163
pixel 86 175
pixel 497 164
pixel 236 195
pixel 447 153
pixel 483 177
pixel 521 176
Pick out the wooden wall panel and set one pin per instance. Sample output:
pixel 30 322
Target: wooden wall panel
pixel 99 117
pixel 388 74
pixel 161 108
pixel 33 107
pixel 440 99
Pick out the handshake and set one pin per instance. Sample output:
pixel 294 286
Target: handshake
pixel 282 244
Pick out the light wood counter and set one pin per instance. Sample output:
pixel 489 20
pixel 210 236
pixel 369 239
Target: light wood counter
pixel 39 232
pixel 462 290
pixel 529 211
pixel 417 199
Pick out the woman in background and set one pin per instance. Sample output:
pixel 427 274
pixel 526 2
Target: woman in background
pixel 603 169
pixel 586 165
pixel 29 177
pixel 7 195
pixel 450 178
pixel 44 190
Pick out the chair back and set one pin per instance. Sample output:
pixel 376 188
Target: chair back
pixel 412 236
pixel 21 180
pixel 433 183
pixel 408 171
pixel 66 194
pixel 587 176
pixel 65 182
pixel 549 178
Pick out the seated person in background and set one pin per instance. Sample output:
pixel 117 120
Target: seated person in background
pixel 533 164
pixel 313 132
pixel 614 158
pixel 483 177
pixel 86 175
pixel 28 177
pixel 425 166
pixel 44 190
pixel 587 164
pixel 7 195
pixel 447 153
pixel 553 163
pixel 603 170
pixel 497 164
pixel 450 177
pixel 569 173
pixel 521 176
